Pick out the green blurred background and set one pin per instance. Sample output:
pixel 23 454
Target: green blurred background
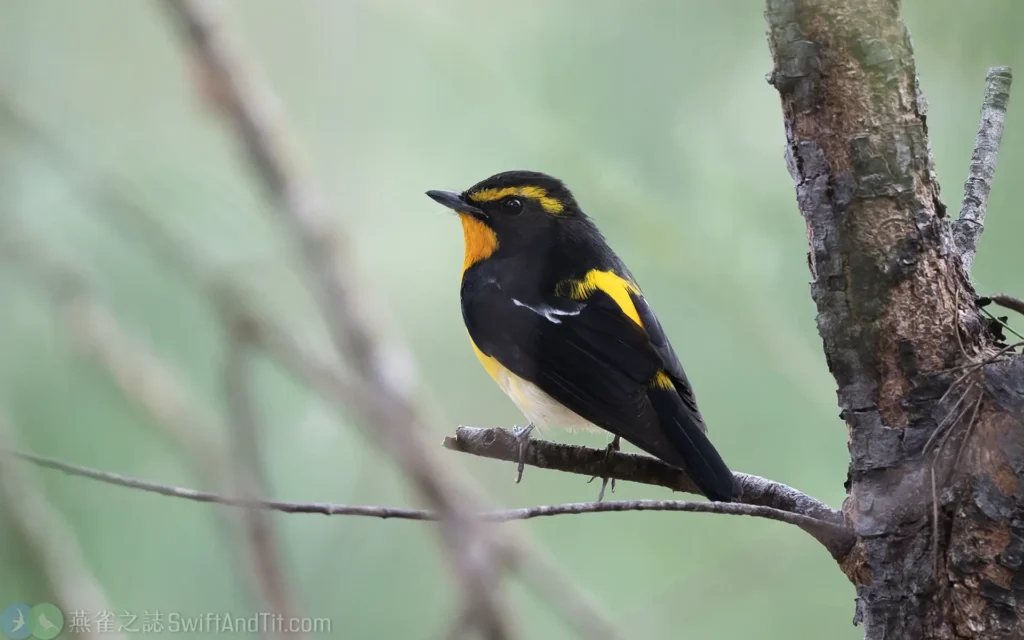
pixel 658 116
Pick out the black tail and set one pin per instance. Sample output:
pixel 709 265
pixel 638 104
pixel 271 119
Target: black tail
pixel 691 449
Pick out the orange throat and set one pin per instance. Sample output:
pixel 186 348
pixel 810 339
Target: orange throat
pixel 480 239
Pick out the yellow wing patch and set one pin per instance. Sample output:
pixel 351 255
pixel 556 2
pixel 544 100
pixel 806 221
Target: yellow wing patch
pixel 481 241
pixel 663 381
pixel 617 287
pixel 551 205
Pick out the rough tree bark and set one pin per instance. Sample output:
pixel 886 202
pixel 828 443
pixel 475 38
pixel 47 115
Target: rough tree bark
pixel 935 494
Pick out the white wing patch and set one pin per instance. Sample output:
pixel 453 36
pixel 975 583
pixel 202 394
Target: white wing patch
pixel 549 313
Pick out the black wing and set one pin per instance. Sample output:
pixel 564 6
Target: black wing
pixel 669 359
pixel 587 355
pixel 590 356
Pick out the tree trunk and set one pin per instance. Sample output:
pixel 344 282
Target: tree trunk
pixel 940 528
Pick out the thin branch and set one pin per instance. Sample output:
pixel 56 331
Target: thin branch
pixel 1001 322
pixel 148 381
pixel 505 515
pixel 970 429
pixel 194 495
pixel 252 110
pixel 968 227
pixel 50 538
pixel 129 216
pixel 126 213
pixel 949 417
pixel 824 523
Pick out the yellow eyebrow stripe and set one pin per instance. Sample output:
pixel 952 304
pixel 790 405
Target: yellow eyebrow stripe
pixel 617 288
pixel 551 205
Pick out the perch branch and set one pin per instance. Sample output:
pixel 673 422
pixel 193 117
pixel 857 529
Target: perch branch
pixel 821 521
pixel 504 515
pixel 968 227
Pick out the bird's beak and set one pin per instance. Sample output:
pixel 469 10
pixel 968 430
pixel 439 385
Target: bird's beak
pixel 455 202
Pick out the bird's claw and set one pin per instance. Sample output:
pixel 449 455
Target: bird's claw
pixel 612 446
pixel 522 436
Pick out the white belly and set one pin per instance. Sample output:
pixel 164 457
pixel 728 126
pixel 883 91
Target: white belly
pixel 539 408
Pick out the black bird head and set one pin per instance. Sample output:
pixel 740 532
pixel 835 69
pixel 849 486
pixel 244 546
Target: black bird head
pixel 518 206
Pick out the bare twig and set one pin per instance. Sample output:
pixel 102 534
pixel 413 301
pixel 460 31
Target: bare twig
pixel 126 213
pixel 48 536
pixel 968 227
pixel 1002 324
pixel 1009 302
pixel 506 515
pixel 145 379
pixel 139 373
pixel 970 429
pixel 949 417
pixel 949 430
pixel 501 444
pixel 250 476
pixel 388 412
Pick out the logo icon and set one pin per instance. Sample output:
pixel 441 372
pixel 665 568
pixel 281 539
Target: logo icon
pixel 46 621
pixel 14 621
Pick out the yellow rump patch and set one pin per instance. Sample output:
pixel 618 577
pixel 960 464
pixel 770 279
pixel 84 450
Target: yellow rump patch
pixel 617 287
pixel 551 205
pixel 481 241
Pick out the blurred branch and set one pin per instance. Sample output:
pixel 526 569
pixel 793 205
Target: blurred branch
pixel 389 415
pixel 505 515
pixel 760 497
pixel 50 539
pixel 321 375
pixel 146 380
pixel 968 227
pixel 126 213
pixel 250 475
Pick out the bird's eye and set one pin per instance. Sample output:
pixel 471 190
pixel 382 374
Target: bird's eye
pixel 513 206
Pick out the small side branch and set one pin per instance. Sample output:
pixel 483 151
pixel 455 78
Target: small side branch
pixel 1008 302
pixel 824 523
pixel 968 227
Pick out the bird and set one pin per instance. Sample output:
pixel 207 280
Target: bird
pixel 19 623
pixel 561 325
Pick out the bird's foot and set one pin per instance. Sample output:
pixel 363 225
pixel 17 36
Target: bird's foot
pixel 522 435
pixel 612 446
